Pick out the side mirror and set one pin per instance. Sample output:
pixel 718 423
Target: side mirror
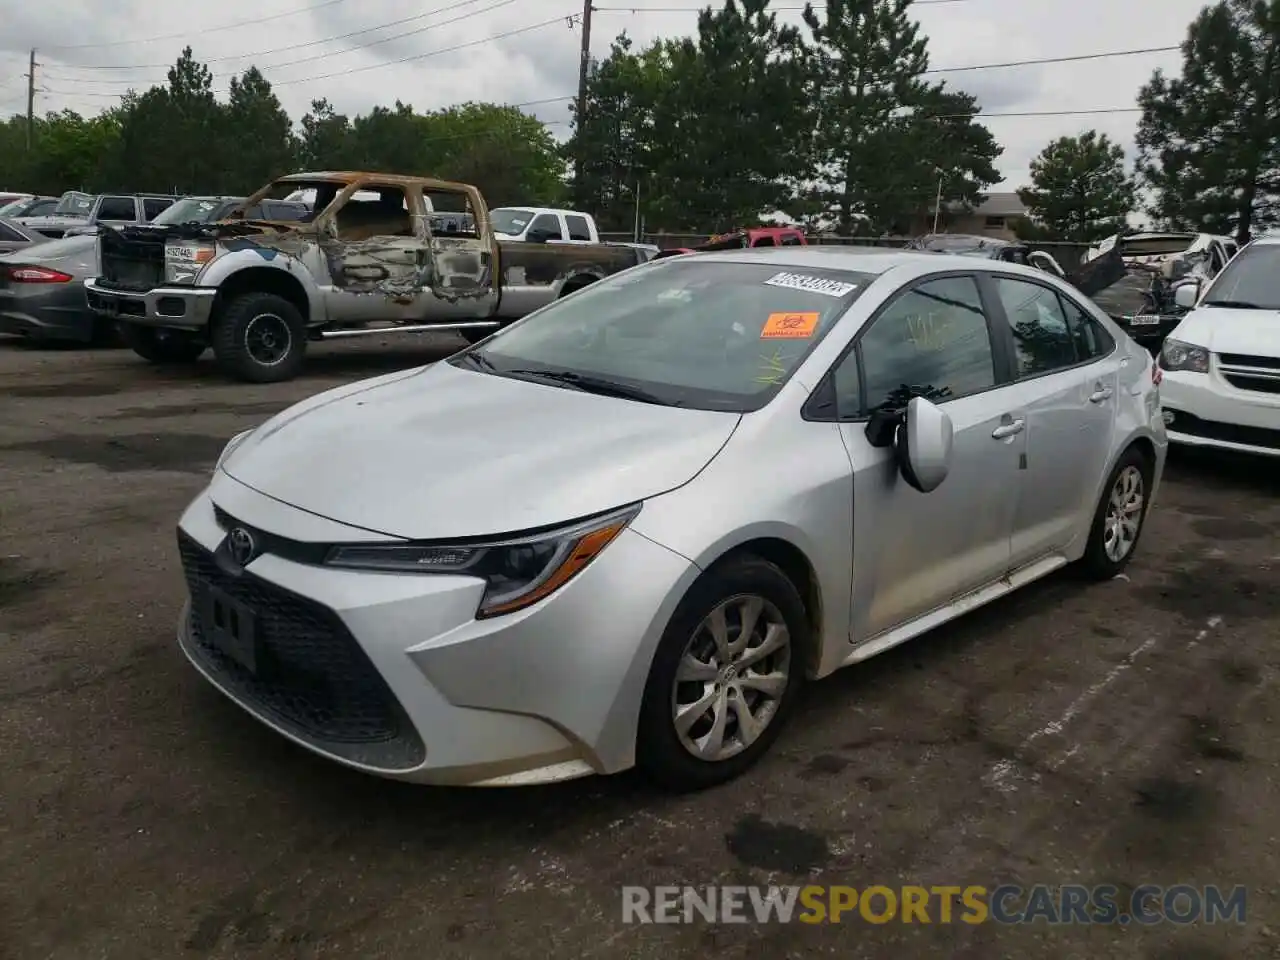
pixel 1186 295
pixel 923 445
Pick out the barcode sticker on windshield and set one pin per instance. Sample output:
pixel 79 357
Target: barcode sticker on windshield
pixel 821 285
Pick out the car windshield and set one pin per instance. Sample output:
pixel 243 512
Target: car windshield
pixel 74 204
pixel 509 221
pixel 692 332
pixel 190 210
pixel 13 207
pixel 1251 280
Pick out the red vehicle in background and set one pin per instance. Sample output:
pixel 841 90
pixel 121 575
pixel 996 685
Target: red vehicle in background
pixel 742 239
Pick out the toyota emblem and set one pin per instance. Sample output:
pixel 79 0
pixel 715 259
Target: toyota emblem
pixel 241 545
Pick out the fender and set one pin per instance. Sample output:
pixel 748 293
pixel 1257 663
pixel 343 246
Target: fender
pixel 251 254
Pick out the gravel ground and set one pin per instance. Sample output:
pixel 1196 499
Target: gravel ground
pixel 1117 733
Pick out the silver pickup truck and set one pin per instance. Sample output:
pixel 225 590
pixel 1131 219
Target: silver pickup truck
pixel 366 261
pixel 81 213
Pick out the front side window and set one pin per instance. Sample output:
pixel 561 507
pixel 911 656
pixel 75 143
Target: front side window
pixel 1041 337
pixel 707 334
pixel 1251 281
pixel 932 340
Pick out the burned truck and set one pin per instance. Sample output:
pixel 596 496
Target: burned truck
pixel 366 261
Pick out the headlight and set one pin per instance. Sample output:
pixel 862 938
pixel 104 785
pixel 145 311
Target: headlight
pixel 1178 356
pixel 517 572
pixel 184 261
pixel 229 449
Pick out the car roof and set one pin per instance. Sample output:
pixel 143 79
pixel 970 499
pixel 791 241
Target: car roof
pixel 869 260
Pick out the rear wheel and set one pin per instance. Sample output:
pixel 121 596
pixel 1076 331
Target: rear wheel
pixel 260 338
pixel 725 676
pixel 1119 518
pixel 160 346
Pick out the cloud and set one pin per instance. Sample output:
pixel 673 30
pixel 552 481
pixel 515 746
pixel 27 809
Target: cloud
pixel 413 61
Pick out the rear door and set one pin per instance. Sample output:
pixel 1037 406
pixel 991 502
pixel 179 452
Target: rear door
pixel 1065 392
pixel 462 272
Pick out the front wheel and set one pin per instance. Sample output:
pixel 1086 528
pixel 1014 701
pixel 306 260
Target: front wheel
pixel 1119 517
pixel 160 346
pixel 260 338
pixel 725 676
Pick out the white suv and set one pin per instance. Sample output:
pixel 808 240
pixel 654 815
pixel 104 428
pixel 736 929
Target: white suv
pixel 1221 384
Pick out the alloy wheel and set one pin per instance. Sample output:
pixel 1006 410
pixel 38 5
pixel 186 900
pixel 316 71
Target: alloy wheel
pixel 731 678
pixel 267 339
pixel 1124 514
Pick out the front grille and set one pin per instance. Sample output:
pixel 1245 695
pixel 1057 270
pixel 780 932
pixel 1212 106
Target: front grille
pixel 1246 360
pixel 131 262
pixel 1255 384
pixel 311 676
pixel 1231 433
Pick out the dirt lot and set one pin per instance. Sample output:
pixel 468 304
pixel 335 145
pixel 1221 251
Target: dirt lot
pixel 1117 733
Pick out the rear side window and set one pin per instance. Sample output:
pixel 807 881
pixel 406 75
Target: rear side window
pixel 1090 337
pixel 7 233
pixel 1041 337
pixel 933 339
pixel 579 229
pixel 152 207
pixel 547 223
pixel 116 208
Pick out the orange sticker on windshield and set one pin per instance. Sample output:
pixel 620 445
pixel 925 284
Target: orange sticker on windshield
pixel 790 326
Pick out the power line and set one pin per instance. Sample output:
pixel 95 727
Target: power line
pixel 299 46
pixel 1073 59
pixel 187 33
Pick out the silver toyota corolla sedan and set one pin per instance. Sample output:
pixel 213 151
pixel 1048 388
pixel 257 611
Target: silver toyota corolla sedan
pixel 625 529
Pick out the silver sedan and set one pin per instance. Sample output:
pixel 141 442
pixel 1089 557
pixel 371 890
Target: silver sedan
pixel 625 529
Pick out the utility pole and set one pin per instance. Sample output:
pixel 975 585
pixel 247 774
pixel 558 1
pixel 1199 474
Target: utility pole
pixel 31 97
pixel 583 70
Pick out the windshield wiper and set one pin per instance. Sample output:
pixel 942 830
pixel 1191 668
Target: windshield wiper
pixel 596 385
pixel 1234 304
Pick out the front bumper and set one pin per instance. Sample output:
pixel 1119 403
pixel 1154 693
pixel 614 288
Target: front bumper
pixel 176 307
pixel 1204 410
pixel 392 674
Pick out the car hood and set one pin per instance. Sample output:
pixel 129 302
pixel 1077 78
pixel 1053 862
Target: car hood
pixel 441 453
pixel 1254 332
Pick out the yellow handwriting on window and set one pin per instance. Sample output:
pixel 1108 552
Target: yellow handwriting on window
pixel 930 332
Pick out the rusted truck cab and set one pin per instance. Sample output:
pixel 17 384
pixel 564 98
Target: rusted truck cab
pixel 365 261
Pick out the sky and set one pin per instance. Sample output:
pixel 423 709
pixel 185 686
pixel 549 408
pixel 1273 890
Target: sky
pixel 434 53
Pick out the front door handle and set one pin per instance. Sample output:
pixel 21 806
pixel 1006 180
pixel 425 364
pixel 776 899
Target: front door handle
pixel 1102 393
pixel 1006 430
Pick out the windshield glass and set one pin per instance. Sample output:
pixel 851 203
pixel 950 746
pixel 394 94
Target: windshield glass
pixel 690 332
pixel 13 207
pixel 191 210
pixel 1251 277
pixel 74 204
pixel 509 221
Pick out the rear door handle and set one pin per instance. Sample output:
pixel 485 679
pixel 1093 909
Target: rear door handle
pixel 1103 393
pixel 1006 430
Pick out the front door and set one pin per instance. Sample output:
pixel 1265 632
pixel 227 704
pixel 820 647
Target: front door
pixel 1067 381
pixel 375 250
pixel 915 552
pixel 461 279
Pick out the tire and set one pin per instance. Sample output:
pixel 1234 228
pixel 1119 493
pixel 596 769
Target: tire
pixel 260 338
pixel 1100 561
pixel 661 751
pixel 160 346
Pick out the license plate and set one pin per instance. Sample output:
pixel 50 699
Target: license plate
pixel 1144 321
pixel 231 627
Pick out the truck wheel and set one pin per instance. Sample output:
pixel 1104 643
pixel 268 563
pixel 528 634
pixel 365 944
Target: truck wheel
pixel 260 338
pixel 161 346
